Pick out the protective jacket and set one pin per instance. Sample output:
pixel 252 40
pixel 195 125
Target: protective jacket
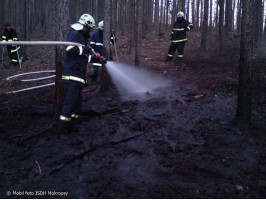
pixel 75 60
pixel 9 36
pixel 96 42
pixel 179 31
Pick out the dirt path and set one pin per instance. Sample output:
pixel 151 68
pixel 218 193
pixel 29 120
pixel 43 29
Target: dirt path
pixel 177 144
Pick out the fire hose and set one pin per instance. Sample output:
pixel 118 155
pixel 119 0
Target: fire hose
pixel 35 43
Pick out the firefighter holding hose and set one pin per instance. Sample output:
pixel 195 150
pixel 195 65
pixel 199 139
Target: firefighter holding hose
pixel 74 71
pixel 96 43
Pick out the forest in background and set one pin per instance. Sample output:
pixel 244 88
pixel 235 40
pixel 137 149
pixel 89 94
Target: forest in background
pixel 137 18
pixel 27 15
pixel 203 137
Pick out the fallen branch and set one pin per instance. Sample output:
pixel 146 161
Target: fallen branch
pixel 236 130
pixel 20 135
pixel 39 167
pixel 80 155
pixel 182 101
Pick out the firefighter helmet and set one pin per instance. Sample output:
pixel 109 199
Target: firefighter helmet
pixel 101 25
pixel 180 14
pixel 87 20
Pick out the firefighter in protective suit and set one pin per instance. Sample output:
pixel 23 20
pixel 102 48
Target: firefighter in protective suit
pixel 179 37
pixel 10 35
pixel 74 71
pixel 96 43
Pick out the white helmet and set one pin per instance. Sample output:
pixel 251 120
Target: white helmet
pixel 180 14
pixel 101 25
pixel 87 20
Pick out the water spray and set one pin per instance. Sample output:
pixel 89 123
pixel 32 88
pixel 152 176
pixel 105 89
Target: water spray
pixel 133 82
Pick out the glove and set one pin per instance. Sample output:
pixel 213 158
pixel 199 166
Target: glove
pixel 101 58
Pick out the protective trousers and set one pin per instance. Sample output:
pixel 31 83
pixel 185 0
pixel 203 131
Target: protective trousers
pixel 12 53
pixel 95 71
pixel 180 46
pixel 72 101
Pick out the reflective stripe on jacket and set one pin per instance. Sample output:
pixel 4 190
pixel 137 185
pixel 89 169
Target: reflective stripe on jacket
pixel 9 35
pixel 97 42
pixel 75 60
pixel 179 31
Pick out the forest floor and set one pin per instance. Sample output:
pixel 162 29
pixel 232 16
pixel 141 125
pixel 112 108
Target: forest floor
pixel 179 144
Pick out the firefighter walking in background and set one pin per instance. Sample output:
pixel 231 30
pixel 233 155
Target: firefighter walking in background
pixel 112 42
pixel 179 38
pixel 96 43
pixel 74 71
pixel 10 35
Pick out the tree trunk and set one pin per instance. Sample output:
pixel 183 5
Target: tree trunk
pixel 239 15
pixel 107 26
pixel 201 13
pixel 198 13
pixel 221 25
pixel 183 6
pixel 228 16
pixel 131 25
pixel 211 21
pixel 114 15
pixel 2 22
pixel 243 114
pixel 27 25
pixel 233 16
pixel 156 14
pixel 193 12
pixel 161 18
pixel 138 35
pixel 265 26
pixel 257 17
pixel 188 7
pixel 167 11
pixel 204 31
pixel 61 23
pixel 174 12
pixel 264 7
pixel 217 14
pixel 122 17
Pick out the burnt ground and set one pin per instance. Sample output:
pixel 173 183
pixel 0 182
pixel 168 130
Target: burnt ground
pixel 179 144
